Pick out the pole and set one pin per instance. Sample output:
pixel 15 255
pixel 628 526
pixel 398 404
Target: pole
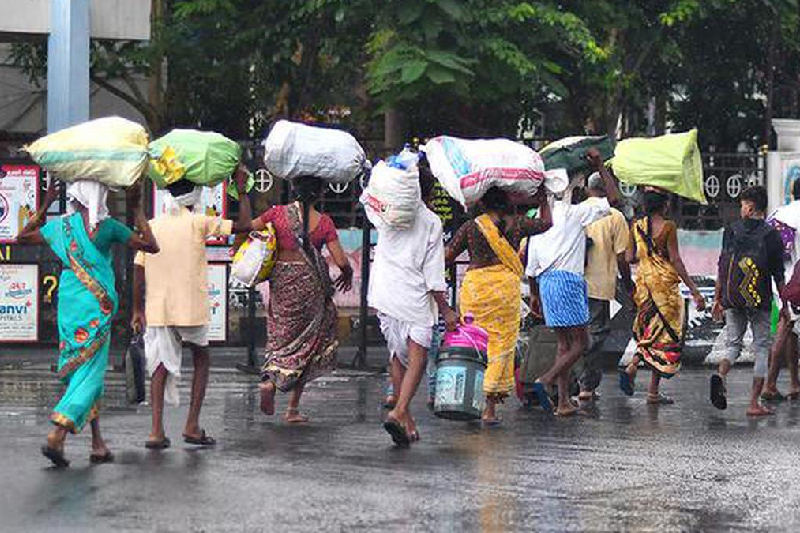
pixel 363 311
pixel 251 327
pixel 68 64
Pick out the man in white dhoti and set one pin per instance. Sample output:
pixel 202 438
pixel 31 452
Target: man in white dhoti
pixel 171 304
pixel 407 288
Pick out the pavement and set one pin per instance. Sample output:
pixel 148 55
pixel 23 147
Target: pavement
pixel 624 467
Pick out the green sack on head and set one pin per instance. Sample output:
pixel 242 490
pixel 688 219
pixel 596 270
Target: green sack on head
pixel 570 152
pixel 202 157
pixel 671 162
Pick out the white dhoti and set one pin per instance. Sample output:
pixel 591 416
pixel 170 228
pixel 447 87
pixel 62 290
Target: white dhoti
pixel 397 334
pixel 163 345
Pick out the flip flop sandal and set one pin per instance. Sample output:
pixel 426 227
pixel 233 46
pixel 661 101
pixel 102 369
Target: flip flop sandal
pixel 541 395
pixel 56 456
pixel 202 440
pixel 718 393
pixel 389 402
pixel 398 433
pixel 107 457
pixel 301 419
pixel 625 383
pixel 659 400
pixel 492 422
pixel 414 436
pixel 775 398
pixel 162 444
pixel 792 396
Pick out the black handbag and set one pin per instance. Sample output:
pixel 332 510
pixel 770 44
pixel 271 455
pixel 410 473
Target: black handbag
pixel 135 370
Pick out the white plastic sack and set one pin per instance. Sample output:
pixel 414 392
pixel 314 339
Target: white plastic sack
pixel 256 257
pixel 468 168
pixel 292 150
pixel 392 197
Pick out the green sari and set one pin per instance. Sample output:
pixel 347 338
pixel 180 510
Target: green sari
pixel 87 303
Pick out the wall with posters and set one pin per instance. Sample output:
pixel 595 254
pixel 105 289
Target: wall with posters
pixel 218 302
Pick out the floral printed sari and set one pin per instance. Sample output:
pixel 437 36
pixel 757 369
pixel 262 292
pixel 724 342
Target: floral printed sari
pixel 87 303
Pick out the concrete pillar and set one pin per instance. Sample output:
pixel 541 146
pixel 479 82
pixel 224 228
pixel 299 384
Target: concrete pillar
pixel 68 64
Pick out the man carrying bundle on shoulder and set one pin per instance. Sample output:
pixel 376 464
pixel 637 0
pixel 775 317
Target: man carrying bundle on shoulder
pixel 171 305
pixel 407 287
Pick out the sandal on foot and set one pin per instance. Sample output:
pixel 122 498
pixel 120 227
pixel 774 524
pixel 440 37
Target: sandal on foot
pixel 162 444
pixel 389 402
pixel 56 456
pixel 718 393
pixel 98 459
pixel 625 382
pixel 202 440
pixel 659 399
pixel 792 396
pixel 398 433
pixel 776 396
pixel 414 436
pixel 540 392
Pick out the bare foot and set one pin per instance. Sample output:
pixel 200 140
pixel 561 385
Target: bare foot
pixel 760 410
pixel 293 416
pixel 267 398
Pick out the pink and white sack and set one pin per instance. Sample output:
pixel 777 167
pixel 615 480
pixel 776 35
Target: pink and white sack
pixel 468 168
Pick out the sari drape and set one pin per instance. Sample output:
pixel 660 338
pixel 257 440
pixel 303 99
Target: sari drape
pixel 87 303
pixel 301 323
pixel 492 295
pixel 658 325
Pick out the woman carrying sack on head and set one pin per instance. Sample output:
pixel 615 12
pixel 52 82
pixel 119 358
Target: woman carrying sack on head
pixel 87 301
pixel 659 322
pixel 491 289
pixel 301 318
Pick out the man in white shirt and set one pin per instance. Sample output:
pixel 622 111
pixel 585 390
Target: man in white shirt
pixel 785 345
pixel 407 287
pixel 558 266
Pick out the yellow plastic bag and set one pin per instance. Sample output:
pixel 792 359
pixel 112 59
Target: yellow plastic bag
pixel 110 150
pixel 671 162
pixel 255 258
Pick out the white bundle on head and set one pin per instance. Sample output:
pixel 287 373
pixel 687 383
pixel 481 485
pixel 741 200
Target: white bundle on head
pixel 93 196
pixel 188 200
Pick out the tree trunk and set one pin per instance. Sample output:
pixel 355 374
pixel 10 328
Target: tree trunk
pixel 393 131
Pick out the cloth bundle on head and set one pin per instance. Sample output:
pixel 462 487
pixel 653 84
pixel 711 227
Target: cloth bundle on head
pixel 93 196
pixel 173 204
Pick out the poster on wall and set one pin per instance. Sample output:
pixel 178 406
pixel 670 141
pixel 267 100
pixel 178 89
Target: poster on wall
pixel 19 303
pixel 213 203
pixel 790 171
pixel 218 301
pixel 19 198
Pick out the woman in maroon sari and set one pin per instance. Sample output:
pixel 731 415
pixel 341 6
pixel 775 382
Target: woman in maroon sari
pixel 301 320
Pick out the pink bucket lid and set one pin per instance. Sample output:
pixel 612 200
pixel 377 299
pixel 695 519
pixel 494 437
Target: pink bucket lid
pixel 468 335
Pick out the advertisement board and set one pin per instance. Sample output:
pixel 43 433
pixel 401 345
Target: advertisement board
pixel 19 303
pixel 218 301
pixel 19 198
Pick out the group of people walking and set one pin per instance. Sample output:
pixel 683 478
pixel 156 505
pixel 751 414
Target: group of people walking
pixel 573 252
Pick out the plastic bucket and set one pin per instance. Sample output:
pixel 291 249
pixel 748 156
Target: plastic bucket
pixel 459 383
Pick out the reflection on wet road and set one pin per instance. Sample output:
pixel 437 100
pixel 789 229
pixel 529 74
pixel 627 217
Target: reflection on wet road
pixel 627 466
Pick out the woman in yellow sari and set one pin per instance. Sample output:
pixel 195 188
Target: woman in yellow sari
pixel 490 291
pixel 658 326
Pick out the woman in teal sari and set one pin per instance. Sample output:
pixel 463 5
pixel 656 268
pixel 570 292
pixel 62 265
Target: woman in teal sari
pixel 87 302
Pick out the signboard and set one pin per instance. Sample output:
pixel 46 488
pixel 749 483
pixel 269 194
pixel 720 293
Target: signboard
pixel 19 199
pixel 19 303
pixel 213 202
pixel 218 302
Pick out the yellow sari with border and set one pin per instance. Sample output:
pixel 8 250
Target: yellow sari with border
pixel 492 295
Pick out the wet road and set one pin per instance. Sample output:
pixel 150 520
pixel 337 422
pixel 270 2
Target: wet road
pixel 626 467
